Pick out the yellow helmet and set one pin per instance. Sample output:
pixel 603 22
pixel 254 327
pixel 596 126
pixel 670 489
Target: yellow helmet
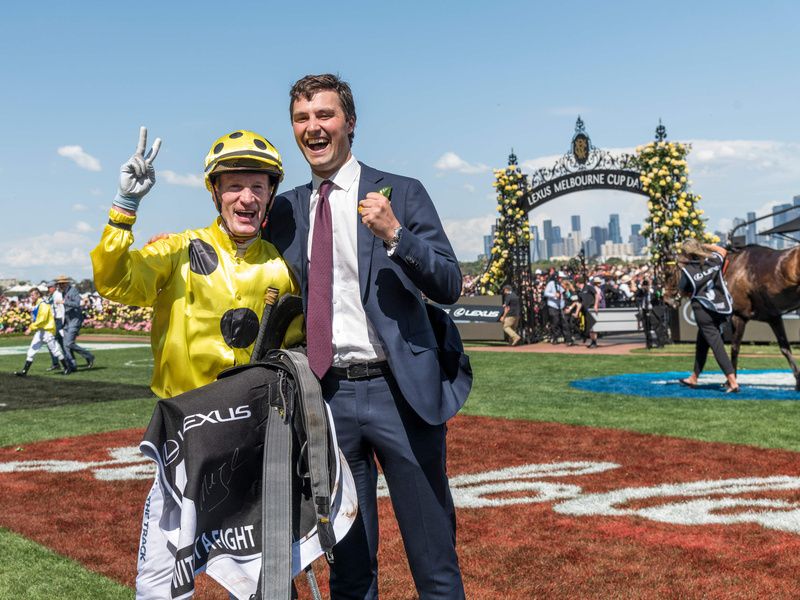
pixel 243 151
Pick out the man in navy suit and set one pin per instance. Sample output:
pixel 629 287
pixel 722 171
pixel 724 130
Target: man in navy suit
pixel 392 373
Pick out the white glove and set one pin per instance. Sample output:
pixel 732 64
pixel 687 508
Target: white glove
pixel 137 176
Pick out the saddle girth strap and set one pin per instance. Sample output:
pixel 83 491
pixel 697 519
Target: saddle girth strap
pixel 313 412
pixel 276 507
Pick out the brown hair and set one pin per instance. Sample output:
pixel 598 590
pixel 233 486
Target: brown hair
pixel 309 85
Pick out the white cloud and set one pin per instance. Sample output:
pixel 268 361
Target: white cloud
pixel 469 187
pixel 466 235
pixel 189 180
pixel 766 156
pixel 59 250
pixel 83 227
pixel 96 192
pixel 450 161
pixel 78 207
pixel 80 157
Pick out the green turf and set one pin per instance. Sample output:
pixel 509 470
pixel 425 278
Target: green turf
pixel 31 572
pixel 688 349
pixel 536 386
pixel 115 394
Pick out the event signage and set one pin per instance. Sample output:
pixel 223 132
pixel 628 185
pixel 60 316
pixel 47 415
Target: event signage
pixel 472 313
pixel 595 179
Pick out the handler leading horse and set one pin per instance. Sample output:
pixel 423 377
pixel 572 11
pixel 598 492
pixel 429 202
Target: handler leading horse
pixel 764 284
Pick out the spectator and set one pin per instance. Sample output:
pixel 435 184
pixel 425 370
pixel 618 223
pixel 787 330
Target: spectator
pixel 510 315
pixel 73 319
pixel 556 301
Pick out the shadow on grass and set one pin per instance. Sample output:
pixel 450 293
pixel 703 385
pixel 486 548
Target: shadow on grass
pixel 44 392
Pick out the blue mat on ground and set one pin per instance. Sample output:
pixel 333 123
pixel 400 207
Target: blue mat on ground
pixel 755 385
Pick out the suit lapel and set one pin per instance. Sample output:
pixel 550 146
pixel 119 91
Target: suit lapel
pixel 301 253
pixel 366 240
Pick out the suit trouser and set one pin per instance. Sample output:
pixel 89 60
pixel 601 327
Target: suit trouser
pixel 71 330
pixel 709 336
pixel 373 419
pixel 558 324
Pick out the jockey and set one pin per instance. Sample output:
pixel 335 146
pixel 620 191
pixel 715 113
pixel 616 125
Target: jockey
pixel 44 331
pixel 206 285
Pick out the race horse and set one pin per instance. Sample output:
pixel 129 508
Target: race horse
pixel 764 284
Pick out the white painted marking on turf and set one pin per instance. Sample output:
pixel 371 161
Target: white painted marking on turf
pixel 116 469
pixel 140 362
pixel 773 380
pixel 480 490
pixel 697 512
pixel 94 346
pixel 720 502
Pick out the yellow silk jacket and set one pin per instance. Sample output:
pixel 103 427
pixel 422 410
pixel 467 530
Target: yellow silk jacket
pixel 43 318
pixel 207 301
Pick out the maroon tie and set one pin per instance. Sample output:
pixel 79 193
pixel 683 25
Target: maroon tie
pixel 319 328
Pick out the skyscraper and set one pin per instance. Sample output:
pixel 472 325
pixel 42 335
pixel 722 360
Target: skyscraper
pixel 599 235
pixel 614 233
pixel 488 240
pixel 547 233
pixel 557 234
pixel 636 240
pixel 776 241
pixel 751 229
pixel 534 244
pixel 576 222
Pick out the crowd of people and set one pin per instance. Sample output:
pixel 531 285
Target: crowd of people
pixel 99 313
pixel 565 300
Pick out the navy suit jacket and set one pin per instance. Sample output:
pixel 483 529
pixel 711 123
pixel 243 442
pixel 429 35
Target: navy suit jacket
pixel 433 374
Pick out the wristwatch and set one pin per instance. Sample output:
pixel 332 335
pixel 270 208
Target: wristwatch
pixel 391 244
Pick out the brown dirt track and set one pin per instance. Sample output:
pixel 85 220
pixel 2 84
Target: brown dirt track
pixel 520 551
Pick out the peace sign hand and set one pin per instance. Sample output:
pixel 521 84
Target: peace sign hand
pixel 137 176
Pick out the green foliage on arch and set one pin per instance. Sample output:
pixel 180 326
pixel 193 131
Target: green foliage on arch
pixel 512 228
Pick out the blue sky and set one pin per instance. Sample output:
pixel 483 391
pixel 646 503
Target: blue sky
pixel 443 91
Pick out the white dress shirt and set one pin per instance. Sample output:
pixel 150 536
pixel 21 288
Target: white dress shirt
pixel 354 338
pixel 58 305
